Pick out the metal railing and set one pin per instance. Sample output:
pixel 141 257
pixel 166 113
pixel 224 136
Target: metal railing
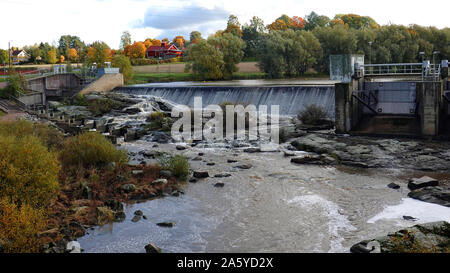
pixel 406 69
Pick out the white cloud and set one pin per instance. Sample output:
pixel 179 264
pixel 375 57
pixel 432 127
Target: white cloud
pixel 105 20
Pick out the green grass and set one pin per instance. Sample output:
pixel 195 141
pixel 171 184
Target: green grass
pixel 179 77
pixel 2 113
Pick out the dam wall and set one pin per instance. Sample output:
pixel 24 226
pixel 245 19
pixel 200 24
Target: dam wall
pixel 290 99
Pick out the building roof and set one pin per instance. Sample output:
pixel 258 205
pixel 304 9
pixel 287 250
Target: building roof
pixel 17 52
pixel 162 47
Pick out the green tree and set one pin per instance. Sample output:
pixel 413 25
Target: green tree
pixel 4 56
pixel 335 40
pixel 125 39
pixel 252 34
pixel 314 20
pixel 233 26
pixel 51 56
pixel 289 53
pixel 123 63
pixel 205 61
pixel 231 47
pixel 195 35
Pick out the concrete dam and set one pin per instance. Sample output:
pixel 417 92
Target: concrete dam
pixel 290 99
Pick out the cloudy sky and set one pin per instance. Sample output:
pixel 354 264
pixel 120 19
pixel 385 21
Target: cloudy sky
pixel 27 22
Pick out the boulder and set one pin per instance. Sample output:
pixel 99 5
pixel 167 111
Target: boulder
pixel 221 175
pixel 151 248
pixel 139 213
pixel 425 181
pixel 210 164
pixel 130 135
pixel 119 216
pixel 219 185
pixel 197 158
pixel 436 195
pixel 73 247
pixel 114 205
pixel 127 188
pixel 201 174
pixel 160 181
pixel 429 237
pixel 193 180
pixel 393 186
pixel 136 218
pixel 231 161
pixel 306 159
pixel 244 166
pixel 166 224
pixel 165 174
pixel 181 147
pixel 252 150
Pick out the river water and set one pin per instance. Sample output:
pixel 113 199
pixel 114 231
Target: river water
pixel 275 206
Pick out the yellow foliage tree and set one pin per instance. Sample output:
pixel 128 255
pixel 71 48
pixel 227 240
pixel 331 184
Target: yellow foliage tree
pixel 51 56
pixel 148 43
pixel 277 25
pixel 156 42
pixel 180 41
pixel 20 227
pixel 61 59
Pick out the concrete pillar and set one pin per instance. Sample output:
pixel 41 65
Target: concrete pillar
pixel 430 96
pixel 341 97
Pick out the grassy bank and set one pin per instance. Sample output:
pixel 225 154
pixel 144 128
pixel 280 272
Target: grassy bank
pixel 140 78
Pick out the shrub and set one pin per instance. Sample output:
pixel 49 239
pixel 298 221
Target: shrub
pixel 28 171
pixel 20 227
pixel 123 63
pixel 90 149
pixel 49 136
pixel 313 115
pixel 178 165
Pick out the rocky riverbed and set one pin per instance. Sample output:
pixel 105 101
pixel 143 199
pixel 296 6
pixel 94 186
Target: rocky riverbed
pixel 316 192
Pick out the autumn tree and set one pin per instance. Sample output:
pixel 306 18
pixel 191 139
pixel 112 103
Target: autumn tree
pixel 136 50
pixel 73 55
pixel 148 42
pixel 297 23
pixel 99 53
pixel 51 56
pixel 195 35
pixel 66 42
pixel 125 39
pixel 179 41
pixel 233 26
pixel 277 25
pixel 156 42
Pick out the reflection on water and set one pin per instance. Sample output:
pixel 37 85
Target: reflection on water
pixel 276 206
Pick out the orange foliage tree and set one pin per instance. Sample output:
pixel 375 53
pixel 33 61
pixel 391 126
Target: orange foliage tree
pixel 136 50
pixel 73 55
pixel 298 22
pixel 148 42
pixel 179 40
pixel 277 25
pixel 156 42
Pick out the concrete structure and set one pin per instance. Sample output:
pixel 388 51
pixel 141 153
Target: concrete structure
pixel 418 106
pixel 58 85
pixel 105 83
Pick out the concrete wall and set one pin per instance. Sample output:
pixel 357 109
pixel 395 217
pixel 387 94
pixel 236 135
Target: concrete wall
pixel 396 97
pixel 429 95
pixel 105 83
pixel 54 82
pixel 32 99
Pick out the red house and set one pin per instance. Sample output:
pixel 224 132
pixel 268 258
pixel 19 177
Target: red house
pixel 164 51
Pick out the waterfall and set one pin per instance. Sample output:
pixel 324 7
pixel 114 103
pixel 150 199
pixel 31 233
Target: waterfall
pixel 290 99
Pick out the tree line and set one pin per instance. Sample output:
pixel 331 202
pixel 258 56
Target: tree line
pixel 292 46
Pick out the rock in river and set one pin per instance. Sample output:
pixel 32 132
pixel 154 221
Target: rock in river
pixel 151 248
pixel 436 195
pixel 201 174
pixel 244 166
pixel 425 181
pixel 166 224
pixel 429 237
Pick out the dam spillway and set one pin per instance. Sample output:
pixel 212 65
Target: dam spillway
pixel 291 99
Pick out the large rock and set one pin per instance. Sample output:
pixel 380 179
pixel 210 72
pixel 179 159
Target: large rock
pixel 201 174
pixel 306 159
pixel 127 188
pixel 436 195
pixel 151 248
pixel 73 247
pixel 314 143
pixel 114 205
pixel 425 181
pixel 429 237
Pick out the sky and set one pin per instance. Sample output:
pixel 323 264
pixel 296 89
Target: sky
pixel 25 22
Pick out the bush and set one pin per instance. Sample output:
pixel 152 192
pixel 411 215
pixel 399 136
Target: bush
pixel 178 165
pixel 28 171
pixel 123 63
pixel 90 149
pixel 313 115
pixel 20 227
pixel 49 136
